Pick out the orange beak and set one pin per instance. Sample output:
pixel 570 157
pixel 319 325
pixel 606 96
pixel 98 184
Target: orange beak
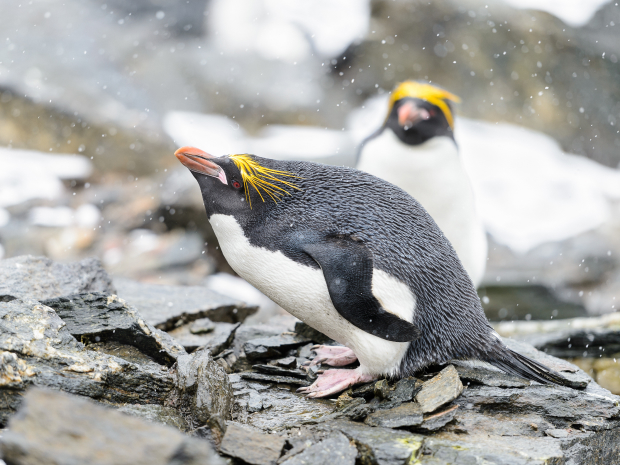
pixel 198 161
pixel 409 114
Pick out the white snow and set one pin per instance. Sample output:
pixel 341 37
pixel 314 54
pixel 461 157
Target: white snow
pixel 215 134
pixel 219 135
pixel 528 190
pixel 26 174
pixel 86 216
pixel 575 13
pixel 285 30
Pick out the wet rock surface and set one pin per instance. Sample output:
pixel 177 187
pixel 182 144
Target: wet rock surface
pixel 99 317
pixel 57 428
pixel 236 390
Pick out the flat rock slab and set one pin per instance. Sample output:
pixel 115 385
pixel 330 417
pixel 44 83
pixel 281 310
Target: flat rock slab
pixel 167 307
pixel 192 336
pixel 250 446
pixel 335 450
pixel 39 278
pixel 436 421
pixel 408 414
pixel 37 349
pixel 55 428
pixel 98 317
pixel 481 375
pixel 383 446
pixel 272 347
pixel 275 378
pixel 443 388
pixel 276 370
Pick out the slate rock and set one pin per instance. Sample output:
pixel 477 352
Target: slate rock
pixel 287 362
pixel 202 388
pixel 557 433
pixel 98 317
pixel 436 421
pixel 443 388
pixel 38 350
pixel 482 375
pixel 407 414
pixel 274 346
pixel 202 326
pixel 215 341
pixel 250 446
pixel 404 390
pixel 157 414
pixel 274 378
pixel 39 278
pixel 377 445
pixel 167 307
pixel 55 428
pixel 336 449
pixel 275 370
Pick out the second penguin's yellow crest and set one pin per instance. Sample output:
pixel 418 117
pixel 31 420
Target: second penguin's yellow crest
pixel 427 92
pixel 262 178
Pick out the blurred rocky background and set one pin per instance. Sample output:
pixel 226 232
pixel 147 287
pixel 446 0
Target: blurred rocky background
pixel 96 95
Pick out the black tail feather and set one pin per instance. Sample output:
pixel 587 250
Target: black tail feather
pixel 519 365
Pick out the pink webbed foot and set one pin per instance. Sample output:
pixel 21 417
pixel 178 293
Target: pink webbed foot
pixel 335 381
pixel 335 356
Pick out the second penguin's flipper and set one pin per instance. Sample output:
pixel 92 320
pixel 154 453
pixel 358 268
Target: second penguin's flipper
pixel 347 267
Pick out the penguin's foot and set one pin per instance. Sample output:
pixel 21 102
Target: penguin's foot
pixel 335 381
pixel 335 356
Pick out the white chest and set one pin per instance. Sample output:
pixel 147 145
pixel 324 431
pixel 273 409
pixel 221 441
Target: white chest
pixel 302 291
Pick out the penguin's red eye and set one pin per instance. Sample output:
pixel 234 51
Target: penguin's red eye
pixel 236 184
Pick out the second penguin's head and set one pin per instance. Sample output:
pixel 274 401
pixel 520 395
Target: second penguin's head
pixel 419 111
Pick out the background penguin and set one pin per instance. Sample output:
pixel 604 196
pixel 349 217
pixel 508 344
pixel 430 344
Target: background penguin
pixel 355 258
pixel 415 149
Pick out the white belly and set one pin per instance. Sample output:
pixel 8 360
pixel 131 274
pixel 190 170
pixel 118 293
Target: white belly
pixel 432 173
pixel 302 291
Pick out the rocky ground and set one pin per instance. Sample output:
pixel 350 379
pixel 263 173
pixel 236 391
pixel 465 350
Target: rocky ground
pixel 173 375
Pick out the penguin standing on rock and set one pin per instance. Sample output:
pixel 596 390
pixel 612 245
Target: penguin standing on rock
pixel 415 149
pixel 355 258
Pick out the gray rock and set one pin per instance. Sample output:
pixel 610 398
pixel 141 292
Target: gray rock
pixel 382 446
pixel 436 421
pixel 483 375
pixel 167 307
pixel 157 414
pixel 55 428
pixel 443 388
pixel 98 317
pixel 336 449
pixel 404 390
pixel 274 346
pixel 37 349
pixel 276 370
pixel 287 362
pixel 557 433
pixel 275 378
pixel 215 341
pixel 39 278
pixel 250 446
pixel 407 414
pixel 202 388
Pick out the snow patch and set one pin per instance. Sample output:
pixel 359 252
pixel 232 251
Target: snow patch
pixel 575 13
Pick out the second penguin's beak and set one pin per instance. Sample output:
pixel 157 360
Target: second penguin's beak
pixel 409 114
pixel 198 161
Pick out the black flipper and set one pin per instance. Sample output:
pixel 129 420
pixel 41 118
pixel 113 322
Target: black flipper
pixel 519 365
pixel 347 267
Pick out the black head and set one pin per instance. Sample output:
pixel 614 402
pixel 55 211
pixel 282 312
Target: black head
pixel 237 185
pixel 420 111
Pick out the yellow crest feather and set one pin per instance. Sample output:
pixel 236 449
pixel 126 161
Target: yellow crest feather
pixel 427 92
pixel 262 178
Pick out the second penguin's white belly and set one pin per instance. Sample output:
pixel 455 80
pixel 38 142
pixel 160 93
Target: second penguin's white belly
pixel 302 291
pixel 433 174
